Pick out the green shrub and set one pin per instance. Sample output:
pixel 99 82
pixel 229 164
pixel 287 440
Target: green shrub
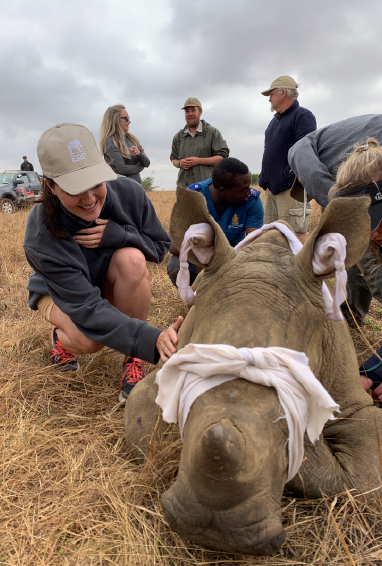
pixel 255 178
pixel 148 184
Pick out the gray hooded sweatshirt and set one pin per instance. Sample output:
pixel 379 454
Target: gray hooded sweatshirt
pixel 131 167
pixel 72 274
pixel 315 158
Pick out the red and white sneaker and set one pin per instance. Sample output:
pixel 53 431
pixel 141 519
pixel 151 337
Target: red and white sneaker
pixel 132 372
pixel 66 361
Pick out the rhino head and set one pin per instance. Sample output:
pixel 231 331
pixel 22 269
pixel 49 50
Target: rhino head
pixel 234 460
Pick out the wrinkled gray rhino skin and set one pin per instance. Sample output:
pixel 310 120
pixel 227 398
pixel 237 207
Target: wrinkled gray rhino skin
pixel 234 460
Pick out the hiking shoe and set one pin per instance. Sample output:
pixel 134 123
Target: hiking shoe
pixel 65 360
pixel 132 372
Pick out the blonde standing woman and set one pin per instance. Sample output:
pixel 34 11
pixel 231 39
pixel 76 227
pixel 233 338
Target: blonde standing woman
pixel 122 151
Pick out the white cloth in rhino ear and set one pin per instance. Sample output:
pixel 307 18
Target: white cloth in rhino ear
pixel 200 239
pixel 294 243
pixel 196 368
pixel 330 253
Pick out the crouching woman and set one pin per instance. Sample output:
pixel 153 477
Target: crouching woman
pixel 88 241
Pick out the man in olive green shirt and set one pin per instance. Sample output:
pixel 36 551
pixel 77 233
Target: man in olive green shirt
pixel 198 147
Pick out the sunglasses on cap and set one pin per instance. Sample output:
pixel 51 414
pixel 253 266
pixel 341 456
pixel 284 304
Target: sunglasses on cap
pixel 127 118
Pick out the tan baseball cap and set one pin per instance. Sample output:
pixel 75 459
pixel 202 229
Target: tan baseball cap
pixel 281 82
pixel 69 155
pixel 192 102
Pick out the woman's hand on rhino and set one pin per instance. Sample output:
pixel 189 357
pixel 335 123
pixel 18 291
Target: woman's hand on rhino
pixel 168 339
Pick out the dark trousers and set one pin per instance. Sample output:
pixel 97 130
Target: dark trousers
pixel 363 287
pixel 173 269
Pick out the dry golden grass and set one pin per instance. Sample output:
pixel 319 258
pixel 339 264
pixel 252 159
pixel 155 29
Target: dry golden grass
pixel 69 493
pixel 163 202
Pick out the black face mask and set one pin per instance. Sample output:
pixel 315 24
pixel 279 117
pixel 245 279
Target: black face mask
pixel 374 191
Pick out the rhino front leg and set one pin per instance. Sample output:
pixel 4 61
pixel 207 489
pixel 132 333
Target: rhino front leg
pixel 142 420
pixel 347 456
pixel 144 427
pixel 348 453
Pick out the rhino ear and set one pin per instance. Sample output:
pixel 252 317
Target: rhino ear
pixel 191 208
pixel 346 216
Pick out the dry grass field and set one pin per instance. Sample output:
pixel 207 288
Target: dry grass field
pixel 69 493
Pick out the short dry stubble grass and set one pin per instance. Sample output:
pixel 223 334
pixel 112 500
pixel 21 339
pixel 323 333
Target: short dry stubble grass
pixel 70 494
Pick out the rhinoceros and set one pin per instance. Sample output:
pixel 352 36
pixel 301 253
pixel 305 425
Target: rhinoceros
pixel 234 462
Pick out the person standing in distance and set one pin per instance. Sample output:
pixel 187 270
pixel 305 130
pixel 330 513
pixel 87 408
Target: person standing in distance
pixel 197 147
pixel 290 123
pixel 26 166
pixel 121 149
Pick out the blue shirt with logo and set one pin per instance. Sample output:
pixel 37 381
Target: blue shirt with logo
pixel 235 219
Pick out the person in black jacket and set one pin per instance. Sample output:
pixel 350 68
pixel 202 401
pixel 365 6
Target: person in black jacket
pixel 26 166
pixel 290 123
pixel 121 149
pixel 88 242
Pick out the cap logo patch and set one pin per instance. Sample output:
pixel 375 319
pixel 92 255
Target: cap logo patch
pixel 77 151
pixel 378 196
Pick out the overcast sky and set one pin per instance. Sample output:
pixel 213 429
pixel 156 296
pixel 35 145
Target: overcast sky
pixel 67 61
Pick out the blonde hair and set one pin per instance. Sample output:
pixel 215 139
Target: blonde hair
pixel 110 128
pixel 362 167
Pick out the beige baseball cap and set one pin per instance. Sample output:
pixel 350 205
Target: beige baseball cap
pixel 281 82
pixel 69 155
pixel 192 102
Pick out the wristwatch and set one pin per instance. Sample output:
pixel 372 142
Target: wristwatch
pixel 179 163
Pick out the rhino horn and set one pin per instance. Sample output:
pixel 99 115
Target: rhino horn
pixel 214 503
pixel 220 453
pixel 232 471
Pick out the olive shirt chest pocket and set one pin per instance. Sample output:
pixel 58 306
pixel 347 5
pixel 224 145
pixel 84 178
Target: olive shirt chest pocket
pixel 194 147
pixel 204 152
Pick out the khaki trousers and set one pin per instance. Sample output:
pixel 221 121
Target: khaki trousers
pixel 283 207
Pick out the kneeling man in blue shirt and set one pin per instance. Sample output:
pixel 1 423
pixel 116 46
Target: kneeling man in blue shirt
pixel 231 202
